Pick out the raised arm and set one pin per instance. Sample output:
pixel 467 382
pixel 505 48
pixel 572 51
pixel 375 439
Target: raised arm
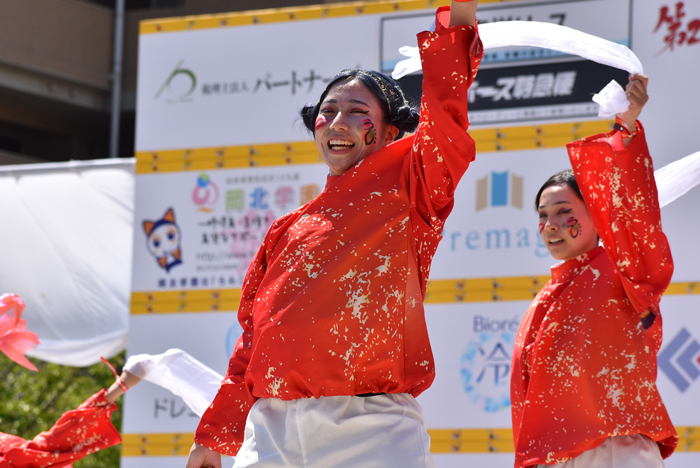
pixel 442 149
pixel 619 189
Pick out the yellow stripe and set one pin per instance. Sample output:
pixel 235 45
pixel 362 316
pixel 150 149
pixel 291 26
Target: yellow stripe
pixel 156 445
pixel 442 291
pixel 169 302
pixel 280 15
pixel 682 289
pixel 441 441
pixel 228 157
pixel 304 152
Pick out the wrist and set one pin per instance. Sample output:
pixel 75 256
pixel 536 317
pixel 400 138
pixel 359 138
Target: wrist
pixel 624 128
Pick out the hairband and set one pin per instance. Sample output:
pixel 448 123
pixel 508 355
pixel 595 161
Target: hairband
pixel 386 91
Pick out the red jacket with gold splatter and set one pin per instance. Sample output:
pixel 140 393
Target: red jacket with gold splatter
pixel 333 302
pixel 584 364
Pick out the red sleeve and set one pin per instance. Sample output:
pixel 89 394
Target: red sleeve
pixel 442 149
pixel 222 425
pixel 620 192
pixel 76 434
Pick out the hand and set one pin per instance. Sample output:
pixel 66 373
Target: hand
pixel 463 12
pixel 201 457
pixel 636 92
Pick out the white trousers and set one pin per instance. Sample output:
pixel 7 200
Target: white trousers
pixel 630 451
pixel 382 431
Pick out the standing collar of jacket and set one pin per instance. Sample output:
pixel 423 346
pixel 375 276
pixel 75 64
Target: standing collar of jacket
pixel 565 271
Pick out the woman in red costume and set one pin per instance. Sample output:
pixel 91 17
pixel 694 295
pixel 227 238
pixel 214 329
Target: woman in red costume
pixel 335 346
pixel 584 366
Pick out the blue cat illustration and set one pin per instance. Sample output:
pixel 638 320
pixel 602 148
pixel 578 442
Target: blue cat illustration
pixel 163 240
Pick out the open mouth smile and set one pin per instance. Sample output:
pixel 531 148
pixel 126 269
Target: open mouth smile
pixel 340 145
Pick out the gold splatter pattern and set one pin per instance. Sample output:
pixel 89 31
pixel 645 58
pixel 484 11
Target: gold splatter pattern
pixel 332 304
pixel 584 364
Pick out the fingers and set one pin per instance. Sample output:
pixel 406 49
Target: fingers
pixel 636 90
pixel 643 79
pixel 201 457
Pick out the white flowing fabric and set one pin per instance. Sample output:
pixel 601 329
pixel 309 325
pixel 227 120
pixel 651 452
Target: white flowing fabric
pixel 548 36
pixel 611 99
pixel 675 179
pixel 66 237
pixel 183 375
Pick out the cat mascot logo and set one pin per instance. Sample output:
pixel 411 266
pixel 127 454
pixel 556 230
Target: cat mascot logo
pixel 163 240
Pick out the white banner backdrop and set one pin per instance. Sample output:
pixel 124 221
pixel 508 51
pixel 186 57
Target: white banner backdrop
pixel 213 87
pixel 67 241
pixel 242 85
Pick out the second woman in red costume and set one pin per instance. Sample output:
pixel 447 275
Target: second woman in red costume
pixel 583 383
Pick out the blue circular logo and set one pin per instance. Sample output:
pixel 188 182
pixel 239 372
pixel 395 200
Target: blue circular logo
pixel 485 370
pixel 203 180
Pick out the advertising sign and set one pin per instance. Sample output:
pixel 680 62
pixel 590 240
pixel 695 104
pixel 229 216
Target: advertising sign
pixel 519 84
pixel 221 153
pixel 203 228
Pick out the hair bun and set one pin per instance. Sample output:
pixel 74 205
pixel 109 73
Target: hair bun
pixel 406 118
pixel 308 115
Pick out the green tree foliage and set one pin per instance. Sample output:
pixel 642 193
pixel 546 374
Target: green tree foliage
pixel 31 402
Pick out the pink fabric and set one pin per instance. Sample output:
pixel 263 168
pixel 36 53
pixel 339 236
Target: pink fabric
pixel 15 339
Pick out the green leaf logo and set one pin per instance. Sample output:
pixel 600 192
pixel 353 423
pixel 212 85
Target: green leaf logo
pixel 179 95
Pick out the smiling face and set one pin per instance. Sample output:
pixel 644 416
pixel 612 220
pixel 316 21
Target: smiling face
pixel 566 226
pixel 350 126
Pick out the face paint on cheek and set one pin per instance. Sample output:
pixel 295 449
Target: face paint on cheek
pixel 321 122
pixel 574 227
pixel 371 134
pixel 541 227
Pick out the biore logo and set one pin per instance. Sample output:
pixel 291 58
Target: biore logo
pixel 485 363
pixel 179 85
pixel 500 189
pixel 679 360
pixel 205 194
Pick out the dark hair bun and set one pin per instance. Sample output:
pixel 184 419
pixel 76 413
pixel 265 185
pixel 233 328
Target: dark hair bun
pixel 406 118
pixel 308 115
